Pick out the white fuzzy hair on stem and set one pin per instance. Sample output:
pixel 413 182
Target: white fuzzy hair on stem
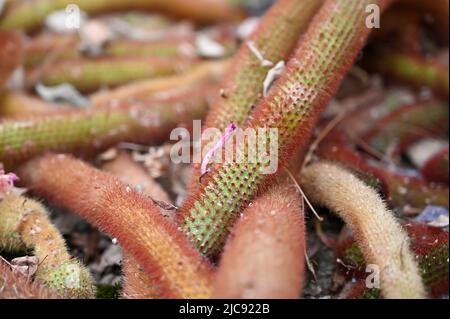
pixel 382 240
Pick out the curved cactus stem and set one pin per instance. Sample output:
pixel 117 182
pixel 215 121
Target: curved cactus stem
pixel 93 129
pixel 18 286
pixel 25 224
pixel 412 69
pixel 91 74
pixel 381 238
pixel 11 53
pixel 264 257
pixel 154 242
pixel 323 56
pixel 29 15
pixel 274 40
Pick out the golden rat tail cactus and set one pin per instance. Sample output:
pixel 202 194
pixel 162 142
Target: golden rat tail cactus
pixel 15 285
pixel 25 225
pixel 324 54
pixel 29 14
pixel 140 228
pixel 264 257
pixel 96 128
pixel 382 240
pixel 273 41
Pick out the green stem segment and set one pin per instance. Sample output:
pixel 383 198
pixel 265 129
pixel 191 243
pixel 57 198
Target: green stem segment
pixel 140 228
pixel 323 56
pixel 412 69
pixel 91 74
pixel 30 14
pixel 86 131
pixel 25 224
pixel 242 88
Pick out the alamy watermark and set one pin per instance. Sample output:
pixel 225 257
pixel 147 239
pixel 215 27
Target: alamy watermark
pixel 373 17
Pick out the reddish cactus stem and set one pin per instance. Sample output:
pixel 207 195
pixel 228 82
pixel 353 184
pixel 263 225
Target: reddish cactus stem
pixel 11 53
pixel 437 167
pixel 18 286
pixel 90 130
pixel 402 191
pixel 323 56
pixel 163 252
pixel 407 124
pixel 275 38
pixel 264 257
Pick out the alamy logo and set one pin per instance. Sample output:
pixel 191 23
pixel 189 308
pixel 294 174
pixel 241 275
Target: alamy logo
pixel 234 145
pixel 373 17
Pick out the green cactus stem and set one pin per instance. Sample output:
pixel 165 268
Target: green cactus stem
pixel 323 56
pixel 89 130
pixel 91 74
pixel 29 15
pixel 25 224
pixel 242 88
pixel 412 69
pixel 402 191
pixel 140 228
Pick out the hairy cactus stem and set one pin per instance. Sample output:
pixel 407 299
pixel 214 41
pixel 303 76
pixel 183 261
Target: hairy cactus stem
pixel 29 15
pixel 67 48
pixel 428 244
pixel 402 191
pixel 18 286
pixel 15 104
pixel 90 130
pixel 153 241
pixel 412 69
pixel 200 74
pixel 380 236
pixel 90 74
pixel 274 38
pixel 323 56
pixel 136 283
pixel 11 53
pixel 25 224
pixel 264 258
pixel 406 124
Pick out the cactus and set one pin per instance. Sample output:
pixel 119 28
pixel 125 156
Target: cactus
pixel 242 87
pixel 25 225
pixel 18 286
pixel 381 238
pixel 412 69
pixel 325 52
pixel 401 190
pixel 199 75
pixel 91 74
pixel 407 124
pixel 67 48
pixel 11 53
pixel 94 129
pixel 136 283
pixel 264 257
pixel 29 15
pixel 429 245
pixel 155 243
